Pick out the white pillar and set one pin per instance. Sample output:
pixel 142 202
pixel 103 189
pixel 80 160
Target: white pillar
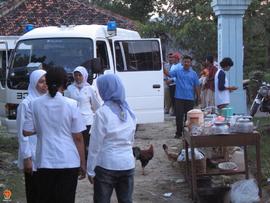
pixel 230 44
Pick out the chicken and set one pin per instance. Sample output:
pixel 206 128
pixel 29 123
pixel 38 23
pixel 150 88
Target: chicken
pixel 171 156
pixel 143 155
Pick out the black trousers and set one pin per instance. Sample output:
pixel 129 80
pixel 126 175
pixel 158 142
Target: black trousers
pixel 31 184
pixel 182 106
pixel 86 138
pixel 57 185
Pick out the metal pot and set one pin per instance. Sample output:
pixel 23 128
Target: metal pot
pixel 232 122
pixel 220 128
pixel 244 124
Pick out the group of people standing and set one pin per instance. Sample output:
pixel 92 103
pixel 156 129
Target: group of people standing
pixel 215 88
pixel 211 89
pixel 54 131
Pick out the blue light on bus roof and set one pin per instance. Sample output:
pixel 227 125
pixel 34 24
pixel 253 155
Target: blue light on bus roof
pixel 28 27
pixel 111 26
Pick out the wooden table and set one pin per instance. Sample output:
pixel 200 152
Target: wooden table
pixel 235 139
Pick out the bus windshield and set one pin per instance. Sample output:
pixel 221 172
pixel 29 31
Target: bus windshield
pixel 35 54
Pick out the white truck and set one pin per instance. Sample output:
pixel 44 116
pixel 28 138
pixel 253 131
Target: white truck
pixel 137 61
pixel 7 44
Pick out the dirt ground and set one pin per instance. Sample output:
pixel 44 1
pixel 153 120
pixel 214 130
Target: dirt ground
pixel 161 175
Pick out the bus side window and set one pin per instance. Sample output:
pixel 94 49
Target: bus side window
pixel 137 55
pixel 102 53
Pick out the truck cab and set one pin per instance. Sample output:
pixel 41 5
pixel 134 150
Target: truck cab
pixel 137 61
pixel 7 45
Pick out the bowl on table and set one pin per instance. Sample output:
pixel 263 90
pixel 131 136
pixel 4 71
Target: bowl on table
pixel 227 166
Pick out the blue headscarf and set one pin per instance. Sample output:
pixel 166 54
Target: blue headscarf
pixel 112 92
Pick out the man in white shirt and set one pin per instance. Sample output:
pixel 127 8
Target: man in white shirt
pixel 175 59
pixel 167 95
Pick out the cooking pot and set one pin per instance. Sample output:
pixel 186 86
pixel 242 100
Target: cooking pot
pixel 220 128
pixel 244 124
pixel 232 121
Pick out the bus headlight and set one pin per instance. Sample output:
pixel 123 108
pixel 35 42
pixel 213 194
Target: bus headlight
pixel 11 111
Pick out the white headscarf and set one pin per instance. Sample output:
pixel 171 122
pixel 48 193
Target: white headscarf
pixel 32 88
pixel 84 73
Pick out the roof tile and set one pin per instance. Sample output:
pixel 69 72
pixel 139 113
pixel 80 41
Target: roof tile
pixel 15 14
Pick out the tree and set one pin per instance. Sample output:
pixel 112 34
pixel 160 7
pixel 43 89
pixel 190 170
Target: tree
pixel 257 37
pixel 198 38
pixel 189 24
pixel 193 25
pixel 139 10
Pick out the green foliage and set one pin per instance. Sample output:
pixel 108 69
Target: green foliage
pixel 198 37
pixel 197 33
pixel 256 37
pixel 186 25
pixel 190 26
pixel 192 9
pixel 257 75
pixel 154 29
pixel 134 9
pixel 266 77
pixel 265 149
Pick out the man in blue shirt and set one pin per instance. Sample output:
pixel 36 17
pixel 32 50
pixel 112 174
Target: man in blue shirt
pixel 187 91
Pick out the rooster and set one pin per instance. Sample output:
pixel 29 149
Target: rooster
pixel 143 155
pixel 171 156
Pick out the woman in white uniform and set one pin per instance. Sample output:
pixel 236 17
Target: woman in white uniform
pixel 111 163
pixel 88 103
pixel 27 145
pixel 57 122
pixel 222 88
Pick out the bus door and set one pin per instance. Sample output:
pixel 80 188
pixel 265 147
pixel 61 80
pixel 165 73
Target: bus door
pixel 139 65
